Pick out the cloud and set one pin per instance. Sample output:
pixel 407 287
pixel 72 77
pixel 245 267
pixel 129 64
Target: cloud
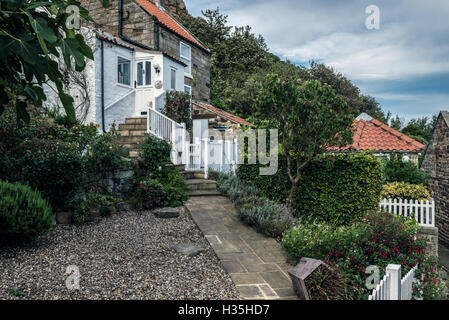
pixel 410 46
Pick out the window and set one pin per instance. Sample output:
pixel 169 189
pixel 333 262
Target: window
pixel 144 73
pixel 186 57
pixel 123 68
pixel 188 90
pixel 173 79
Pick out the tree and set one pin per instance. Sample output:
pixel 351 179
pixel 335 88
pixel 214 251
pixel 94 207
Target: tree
pixel 310 117
pixel 32 34
pixel 420 128
pixel 396 123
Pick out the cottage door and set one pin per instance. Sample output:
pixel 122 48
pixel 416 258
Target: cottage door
pixel 144 88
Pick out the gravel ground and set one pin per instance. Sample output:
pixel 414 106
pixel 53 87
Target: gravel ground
pixel 126 256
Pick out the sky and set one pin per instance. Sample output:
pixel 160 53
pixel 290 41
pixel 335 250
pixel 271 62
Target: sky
pixel 404 63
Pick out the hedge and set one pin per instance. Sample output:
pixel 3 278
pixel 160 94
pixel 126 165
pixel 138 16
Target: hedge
pixel 333 188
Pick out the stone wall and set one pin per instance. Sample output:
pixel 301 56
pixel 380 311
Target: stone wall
pixel 436 164
pixel 200 64
pixel 140 26
pixel 430 234
pixel 120 184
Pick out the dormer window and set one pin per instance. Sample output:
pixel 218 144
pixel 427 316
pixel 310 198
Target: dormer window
pixel 186 57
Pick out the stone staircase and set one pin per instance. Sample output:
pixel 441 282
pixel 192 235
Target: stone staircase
pixel 132 133
pixel 197 186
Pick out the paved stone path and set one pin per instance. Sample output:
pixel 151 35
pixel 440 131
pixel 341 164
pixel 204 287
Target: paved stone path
pixel 256 264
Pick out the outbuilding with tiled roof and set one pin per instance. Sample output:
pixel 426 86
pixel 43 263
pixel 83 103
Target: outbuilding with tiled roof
pixel 371 134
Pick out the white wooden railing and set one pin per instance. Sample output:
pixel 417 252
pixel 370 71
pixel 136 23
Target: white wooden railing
pixel 165 128
pixel 422 211
pixel 392 287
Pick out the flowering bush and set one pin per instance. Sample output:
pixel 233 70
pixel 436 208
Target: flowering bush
pixel 378 239
pixel 403 190
pixel 177 107
pixel 431 284
pixel 151 193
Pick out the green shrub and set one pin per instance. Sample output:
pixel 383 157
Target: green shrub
pixel 155 154
pixel 105 154
pixel 91 202
pixel 396 170
pixel 403 190
pixel 23 211
pixel 177 107
pixel 151 194
pixel 377 239
pixel 269 217
pixel 174 187
pixel 333 188
pixel 432 282
pixel 54 173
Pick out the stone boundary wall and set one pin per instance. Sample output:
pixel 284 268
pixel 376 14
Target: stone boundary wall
pixel 431 236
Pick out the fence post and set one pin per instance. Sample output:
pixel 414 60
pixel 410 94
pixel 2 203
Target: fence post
pixel 206 158
pixel 394 270
pixel 183 143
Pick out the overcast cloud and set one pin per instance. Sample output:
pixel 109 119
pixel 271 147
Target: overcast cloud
pixel 405 64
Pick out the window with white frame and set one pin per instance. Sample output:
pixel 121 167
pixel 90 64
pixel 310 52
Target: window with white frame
pixel 186 57
pixel 188 90
pixel 173 79
pixel 143 73
pixel 123 71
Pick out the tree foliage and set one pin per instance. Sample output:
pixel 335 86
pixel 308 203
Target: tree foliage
pixel 241 60
pixel 310 118
pixel 32 33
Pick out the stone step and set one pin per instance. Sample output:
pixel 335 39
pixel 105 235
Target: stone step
pixel 132 133
pixel 188 175
pixel 136 121
pixel 132 127
pixel 134 153
pixel 131 140
pixel 204 193
pixel 201 184
pixel 130 146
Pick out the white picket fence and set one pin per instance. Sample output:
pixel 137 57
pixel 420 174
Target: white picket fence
pixel 208 155
pixel 392 287
pixel 422 211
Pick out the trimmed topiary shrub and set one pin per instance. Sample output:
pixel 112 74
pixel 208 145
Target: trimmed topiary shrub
pixel 403 190
pixel 23 212
pixel 333 188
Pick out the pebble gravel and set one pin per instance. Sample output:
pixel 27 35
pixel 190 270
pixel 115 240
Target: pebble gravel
pixel 125 256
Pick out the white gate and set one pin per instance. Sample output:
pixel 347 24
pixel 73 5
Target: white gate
pixel 220 155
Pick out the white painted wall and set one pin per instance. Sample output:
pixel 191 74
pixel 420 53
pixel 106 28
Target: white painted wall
pixel 168 65
pixel 120 101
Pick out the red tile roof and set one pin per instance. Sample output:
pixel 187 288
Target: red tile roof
pixel 371 134
pixel 170 23
pixel 110 38
pixel 223 113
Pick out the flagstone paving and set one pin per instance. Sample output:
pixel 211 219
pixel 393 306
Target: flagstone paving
pixel 256 264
